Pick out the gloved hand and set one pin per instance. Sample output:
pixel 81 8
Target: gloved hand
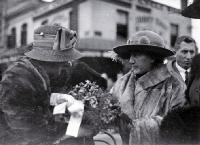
pixel 58 98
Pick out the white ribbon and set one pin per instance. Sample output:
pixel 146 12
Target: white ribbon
pixel 75 107
pixel 76 110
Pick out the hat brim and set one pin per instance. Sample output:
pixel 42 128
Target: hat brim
pixel 192 11
pixel 53 55
pixel 124 51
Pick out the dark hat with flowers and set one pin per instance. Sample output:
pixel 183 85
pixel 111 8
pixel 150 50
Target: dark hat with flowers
pixel 54 43
pixel 144 41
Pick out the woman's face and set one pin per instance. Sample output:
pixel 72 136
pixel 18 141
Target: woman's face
pixel 141 63
pixel 58 73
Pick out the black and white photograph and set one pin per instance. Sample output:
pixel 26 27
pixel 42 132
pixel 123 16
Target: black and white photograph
pixel 99 72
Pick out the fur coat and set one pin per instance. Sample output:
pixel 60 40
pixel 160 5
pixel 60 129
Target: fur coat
pixel 145 101
pixel 26 116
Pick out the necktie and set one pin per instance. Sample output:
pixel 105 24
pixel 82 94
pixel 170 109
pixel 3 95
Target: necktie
pixel 186 77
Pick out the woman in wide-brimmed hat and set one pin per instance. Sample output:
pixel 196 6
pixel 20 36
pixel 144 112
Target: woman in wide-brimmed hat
pixel 148 91
pixel 25 113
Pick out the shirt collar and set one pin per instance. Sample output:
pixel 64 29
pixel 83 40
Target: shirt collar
pixel 180 69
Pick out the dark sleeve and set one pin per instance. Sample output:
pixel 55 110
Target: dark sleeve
pixel 181 126
pixel 23 96
pixel 82 72
pixel 24 105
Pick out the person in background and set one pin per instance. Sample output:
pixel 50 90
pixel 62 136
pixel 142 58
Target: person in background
pixel 186 49
pixel 181 126
pixel 148 91
pixel 26 86
pixel 193 90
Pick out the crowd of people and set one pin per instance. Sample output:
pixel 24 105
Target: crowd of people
pixel 159 101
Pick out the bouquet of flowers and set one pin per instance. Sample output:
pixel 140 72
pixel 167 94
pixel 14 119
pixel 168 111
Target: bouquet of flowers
pixel 100 107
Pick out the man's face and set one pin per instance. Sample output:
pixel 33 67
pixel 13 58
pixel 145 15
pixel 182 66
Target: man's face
pixel 185 54
pixel 141 63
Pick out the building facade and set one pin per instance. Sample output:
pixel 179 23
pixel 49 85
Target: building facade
pixel 100 24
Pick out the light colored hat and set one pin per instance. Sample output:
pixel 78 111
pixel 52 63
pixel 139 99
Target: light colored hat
pixel 144 41
pixel 54 43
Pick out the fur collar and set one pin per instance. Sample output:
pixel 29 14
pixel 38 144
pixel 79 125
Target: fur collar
pixel 152 78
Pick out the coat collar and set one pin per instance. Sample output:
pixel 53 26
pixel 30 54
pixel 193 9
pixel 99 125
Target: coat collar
pixel 152 78
pixel 171 66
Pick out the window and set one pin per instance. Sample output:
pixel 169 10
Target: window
pixel 143 9
pixel 122 25
pixel 13 35
pixel 0 30
pixel 11 39
pixel 173 34
pixel 71 20
pixel 24 34
pixel 97 33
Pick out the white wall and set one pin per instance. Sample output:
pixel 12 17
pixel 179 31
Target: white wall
pixel 96 15
pixel 196 31
pixel 105 18
pixel 85 28
pixel 183 23
pixel 161 20
pixel 61 18
pixel 157 23
pixel 162 24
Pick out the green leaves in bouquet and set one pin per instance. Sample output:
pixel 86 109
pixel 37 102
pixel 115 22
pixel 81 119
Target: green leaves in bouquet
pixel 101 108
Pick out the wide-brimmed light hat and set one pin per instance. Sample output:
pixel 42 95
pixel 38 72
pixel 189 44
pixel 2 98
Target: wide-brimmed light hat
pixel 144 41
pixel 54 43
pixel 193 10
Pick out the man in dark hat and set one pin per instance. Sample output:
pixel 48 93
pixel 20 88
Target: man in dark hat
pixel 26 86
pixel 148 91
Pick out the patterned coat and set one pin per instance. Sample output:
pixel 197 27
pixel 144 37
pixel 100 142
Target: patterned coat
pixel 26 117
pixel 145 101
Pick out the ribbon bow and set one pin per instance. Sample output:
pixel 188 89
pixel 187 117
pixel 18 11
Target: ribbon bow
pixel 75 107
pixel 65 39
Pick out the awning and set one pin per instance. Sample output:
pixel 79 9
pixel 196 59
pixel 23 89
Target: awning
pixel 97 44
pixel 7 55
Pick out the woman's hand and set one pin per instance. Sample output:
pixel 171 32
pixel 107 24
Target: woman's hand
pixel 58 98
